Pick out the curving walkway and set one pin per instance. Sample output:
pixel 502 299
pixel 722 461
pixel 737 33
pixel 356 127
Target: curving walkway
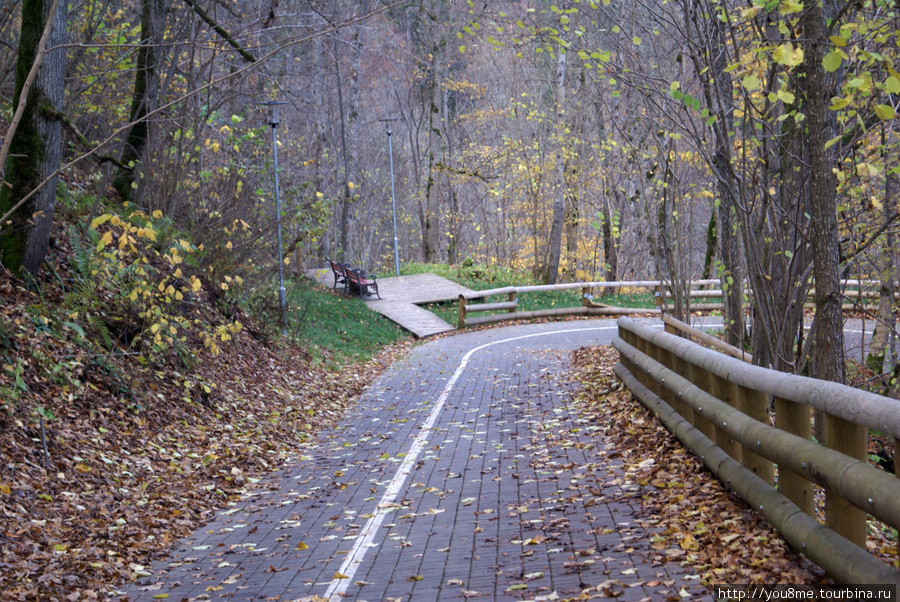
pixel 466 471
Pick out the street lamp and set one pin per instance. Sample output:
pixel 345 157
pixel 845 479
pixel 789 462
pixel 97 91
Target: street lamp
pixel 393 197
pixel 274 119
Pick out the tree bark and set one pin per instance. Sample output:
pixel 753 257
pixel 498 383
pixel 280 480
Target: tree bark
pixel 828 353
pixel 559 185
pixel 145 97
pixel 718 88
pixel 431 225
pixel 879 348
pixel 350 147
pixel 36 145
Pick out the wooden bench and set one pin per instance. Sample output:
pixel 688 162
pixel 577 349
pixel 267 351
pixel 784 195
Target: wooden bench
pixel 360 281
pixel 340 274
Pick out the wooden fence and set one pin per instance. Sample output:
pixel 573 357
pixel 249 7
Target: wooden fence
pixel 752 428
pixel 588 306
pixel 861 294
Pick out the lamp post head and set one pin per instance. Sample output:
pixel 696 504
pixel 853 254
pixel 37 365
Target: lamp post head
pixel 387 124
pixel 273 116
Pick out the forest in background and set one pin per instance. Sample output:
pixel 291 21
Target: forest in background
pixel 754 141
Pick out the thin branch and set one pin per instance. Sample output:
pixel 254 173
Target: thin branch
pixel 220 30
pixel 183 97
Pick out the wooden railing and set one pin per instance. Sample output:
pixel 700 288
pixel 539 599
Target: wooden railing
pixel 852 289
pixel 588 307
pixel 752 428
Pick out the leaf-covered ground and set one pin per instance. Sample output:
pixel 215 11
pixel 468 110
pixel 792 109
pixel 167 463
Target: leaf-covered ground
pixel 139 455
pixel 704 526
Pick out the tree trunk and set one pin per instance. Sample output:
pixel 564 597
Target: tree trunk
pixel 145 97
pixel 559 185
pixel 350 147
pixel 718 91
pixel 572 240
pixel 36 146
pixel 431 225
pixel 828 353
pixel 879 347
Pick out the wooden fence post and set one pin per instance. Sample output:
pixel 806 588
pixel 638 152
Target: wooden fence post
pixel 726 391
pixel 461 321
pixel 701 378
pixel 512 298
pixel 671 329
pixel 673 363
pixel 840 515
pixel 756 406
pixel 794 418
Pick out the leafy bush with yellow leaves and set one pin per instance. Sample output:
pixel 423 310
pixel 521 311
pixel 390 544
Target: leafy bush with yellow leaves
pixel 139 276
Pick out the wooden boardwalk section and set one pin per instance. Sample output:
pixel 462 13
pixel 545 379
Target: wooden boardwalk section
pixel 401 297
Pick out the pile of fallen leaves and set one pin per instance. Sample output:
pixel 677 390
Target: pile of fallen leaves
pixel 139 455
pixel 700 523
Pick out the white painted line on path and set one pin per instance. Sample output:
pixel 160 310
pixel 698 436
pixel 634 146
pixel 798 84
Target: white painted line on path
pixel 356 555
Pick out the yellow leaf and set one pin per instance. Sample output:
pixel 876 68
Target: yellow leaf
pixel 788 7
pixel 195 284
pixel 788 55
pixel 104 240
pixel 98 221
pixel 228 245
pixel 340 576
pixel 302 546
pixel 5 489
pixel 786 97
pixel 885 112
pixel 157 214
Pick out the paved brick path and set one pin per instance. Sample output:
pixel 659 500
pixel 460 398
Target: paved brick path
pixel 464 472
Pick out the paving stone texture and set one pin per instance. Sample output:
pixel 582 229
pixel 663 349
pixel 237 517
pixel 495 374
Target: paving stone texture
pixel 465 472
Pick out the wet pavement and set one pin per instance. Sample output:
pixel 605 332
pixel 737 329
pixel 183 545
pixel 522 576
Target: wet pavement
pixel 465 471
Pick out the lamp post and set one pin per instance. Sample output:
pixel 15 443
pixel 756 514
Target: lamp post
pixel 393 197
pixel 274 119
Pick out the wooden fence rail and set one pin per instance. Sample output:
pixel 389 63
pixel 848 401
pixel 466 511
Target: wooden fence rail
pixel 720 408
pixel 587 308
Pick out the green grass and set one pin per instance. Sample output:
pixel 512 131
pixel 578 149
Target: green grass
pixel 322 319
pixel 327 320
